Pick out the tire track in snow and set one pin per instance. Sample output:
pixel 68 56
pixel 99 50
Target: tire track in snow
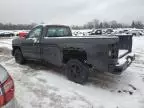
pixel 41 92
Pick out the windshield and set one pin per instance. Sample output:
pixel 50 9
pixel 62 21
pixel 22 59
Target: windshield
pixel 3 74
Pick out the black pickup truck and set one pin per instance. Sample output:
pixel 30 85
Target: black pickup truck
pixel 56 45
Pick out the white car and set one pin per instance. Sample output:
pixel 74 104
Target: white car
pixel 136 32
pixel 6 87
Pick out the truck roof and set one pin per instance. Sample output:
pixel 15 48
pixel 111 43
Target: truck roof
pixel 52 25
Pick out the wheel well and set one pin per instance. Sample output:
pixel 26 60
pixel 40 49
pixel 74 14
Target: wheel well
pixel 74 54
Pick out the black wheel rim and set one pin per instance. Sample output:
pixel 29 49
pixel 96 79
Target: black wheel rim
pixel 75 72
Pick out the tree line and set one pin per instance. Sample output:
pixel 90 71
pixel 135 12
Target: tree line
pixel 10 26
pixel 111 24
pixel 90 25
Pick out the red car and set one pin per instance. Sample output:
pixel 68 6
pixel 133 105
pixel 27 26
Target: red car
pixel 6 87
pixel 22 34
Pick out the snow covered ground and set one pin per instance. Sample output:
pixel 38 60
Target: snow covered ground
pixel 39 86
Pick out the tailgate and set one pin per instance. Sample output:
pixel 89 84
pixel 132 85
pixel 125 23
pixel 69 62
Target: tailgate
pixel 125 42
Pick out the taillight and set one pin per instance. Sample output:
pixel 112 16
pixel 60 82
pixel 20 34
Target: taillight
pixel 8 87
pixel 113 51
pixel 109 53
pixel 1 97
pixel 1 101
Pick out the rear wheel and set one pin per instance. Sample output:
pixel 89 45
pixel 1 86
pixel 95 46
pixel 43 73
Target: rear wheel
pixel 77 71
pixel 18 56
pixel 134 34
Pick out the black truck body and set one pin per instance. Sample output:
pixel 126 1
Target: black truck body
pixel 56 45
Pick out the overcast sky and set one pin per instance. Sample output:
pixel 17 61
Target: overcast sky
pixel 70 11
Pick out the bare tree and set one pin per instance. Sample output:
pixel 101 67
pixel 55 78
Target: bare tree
pixel 101 25
pixel 95 23
pixel 10 26
pixel 106 25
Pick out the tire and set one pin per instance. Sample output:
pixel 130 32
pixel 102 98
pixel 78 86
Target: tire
pixel 18 56
pixel 76 71
pixel 134 34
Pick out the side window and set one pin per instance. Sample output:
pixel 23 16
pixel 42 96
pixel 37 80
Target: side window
pixel 51 32
pixel 35 33
pixel 58 32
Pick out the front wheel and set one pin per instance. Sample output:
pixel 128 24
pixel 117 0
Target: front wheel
pixel 18 56
pixel 77 71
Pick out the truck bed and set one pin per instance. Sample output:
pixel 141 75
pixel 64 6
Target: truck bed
pixel 122 52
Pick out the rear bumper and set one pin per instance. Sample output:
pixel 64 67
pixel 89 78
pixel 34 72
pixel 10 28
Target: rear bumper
pixel 123 63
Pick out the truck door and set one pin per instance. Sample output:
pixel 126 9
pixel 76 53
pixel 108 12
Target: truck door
pixel 31 44
pixel 50 44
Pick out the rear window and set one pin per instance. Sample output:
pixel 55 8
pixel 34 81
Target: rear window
pixel 3 74
pixel 58 32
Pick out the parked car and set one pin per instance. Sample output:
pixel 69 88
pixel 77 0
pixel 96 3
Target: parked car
pixel 56 45
pixel 6 87
pixel 109 31
pixel 136 32
pixel 6 34
pixel 121 31
pixel 22 34
pixel 96 32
